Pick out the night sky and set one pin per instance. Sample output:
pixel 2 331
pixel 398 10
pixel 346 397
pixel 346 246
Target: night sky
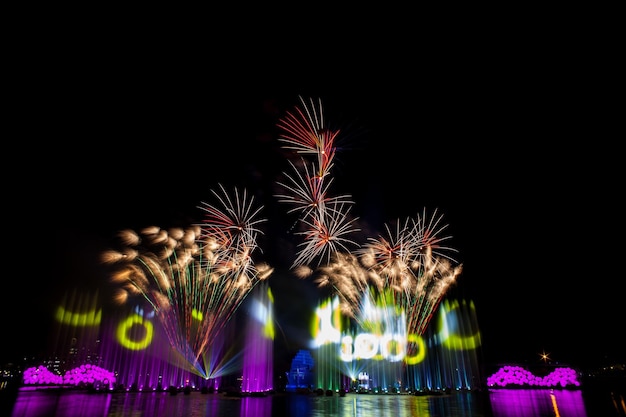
pixel 520 157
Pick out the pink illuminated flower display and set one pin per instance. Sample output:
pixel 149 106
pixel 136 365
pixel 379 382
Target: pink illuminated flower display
pixel 509 376
pixel 87 375
pixel 40 375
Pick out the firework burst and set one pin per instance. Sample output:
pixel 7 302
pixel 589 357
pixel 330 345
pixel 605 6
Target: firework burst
pixel 405 263
pixel 195 278
pixel 230 231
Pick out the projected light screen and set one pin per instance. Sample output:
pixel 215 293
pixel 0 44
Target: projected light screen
pixel 374 352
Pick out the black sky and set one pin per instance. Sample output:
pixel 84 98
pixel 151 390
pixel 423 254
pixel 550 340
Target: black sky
pixel 518 152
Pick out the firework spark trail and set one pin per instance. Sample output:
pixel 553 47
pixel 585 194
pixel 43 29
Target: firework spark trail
pixel 391 258
pixel 308 192
pixel 325 235
pixel 306 133
pixel 436 277
pixel 234 223
pixel 195 279
pixel 348 278
pixel 427 231
pixel 231 232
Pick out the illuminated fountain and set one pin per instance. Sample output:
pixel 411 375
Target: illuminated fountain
pixel 136 348
pixel 383 357
pixel 450 350
pixel 258 363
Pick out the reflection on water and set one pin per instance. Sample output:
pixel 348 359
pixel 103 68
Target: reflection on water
pixel 497 403
pixel 161 404
pixel 537 402
pixel 383 406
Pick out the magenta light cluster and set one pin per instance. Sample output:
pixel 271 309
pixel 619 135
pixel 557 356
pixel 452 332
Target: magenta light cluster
pixel 40 375
pixel 83 375
pixel 518 376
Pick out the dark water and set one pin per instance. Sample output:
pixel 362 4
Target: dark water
pixel 498 403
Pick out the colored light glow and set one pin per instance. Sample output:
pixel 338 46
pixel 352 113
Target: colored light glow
pixel 448 323
pixel 126 327
pixel 326 326
pixel 91 318
pixel 197 315
pixel 417 341
pixel 79 310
